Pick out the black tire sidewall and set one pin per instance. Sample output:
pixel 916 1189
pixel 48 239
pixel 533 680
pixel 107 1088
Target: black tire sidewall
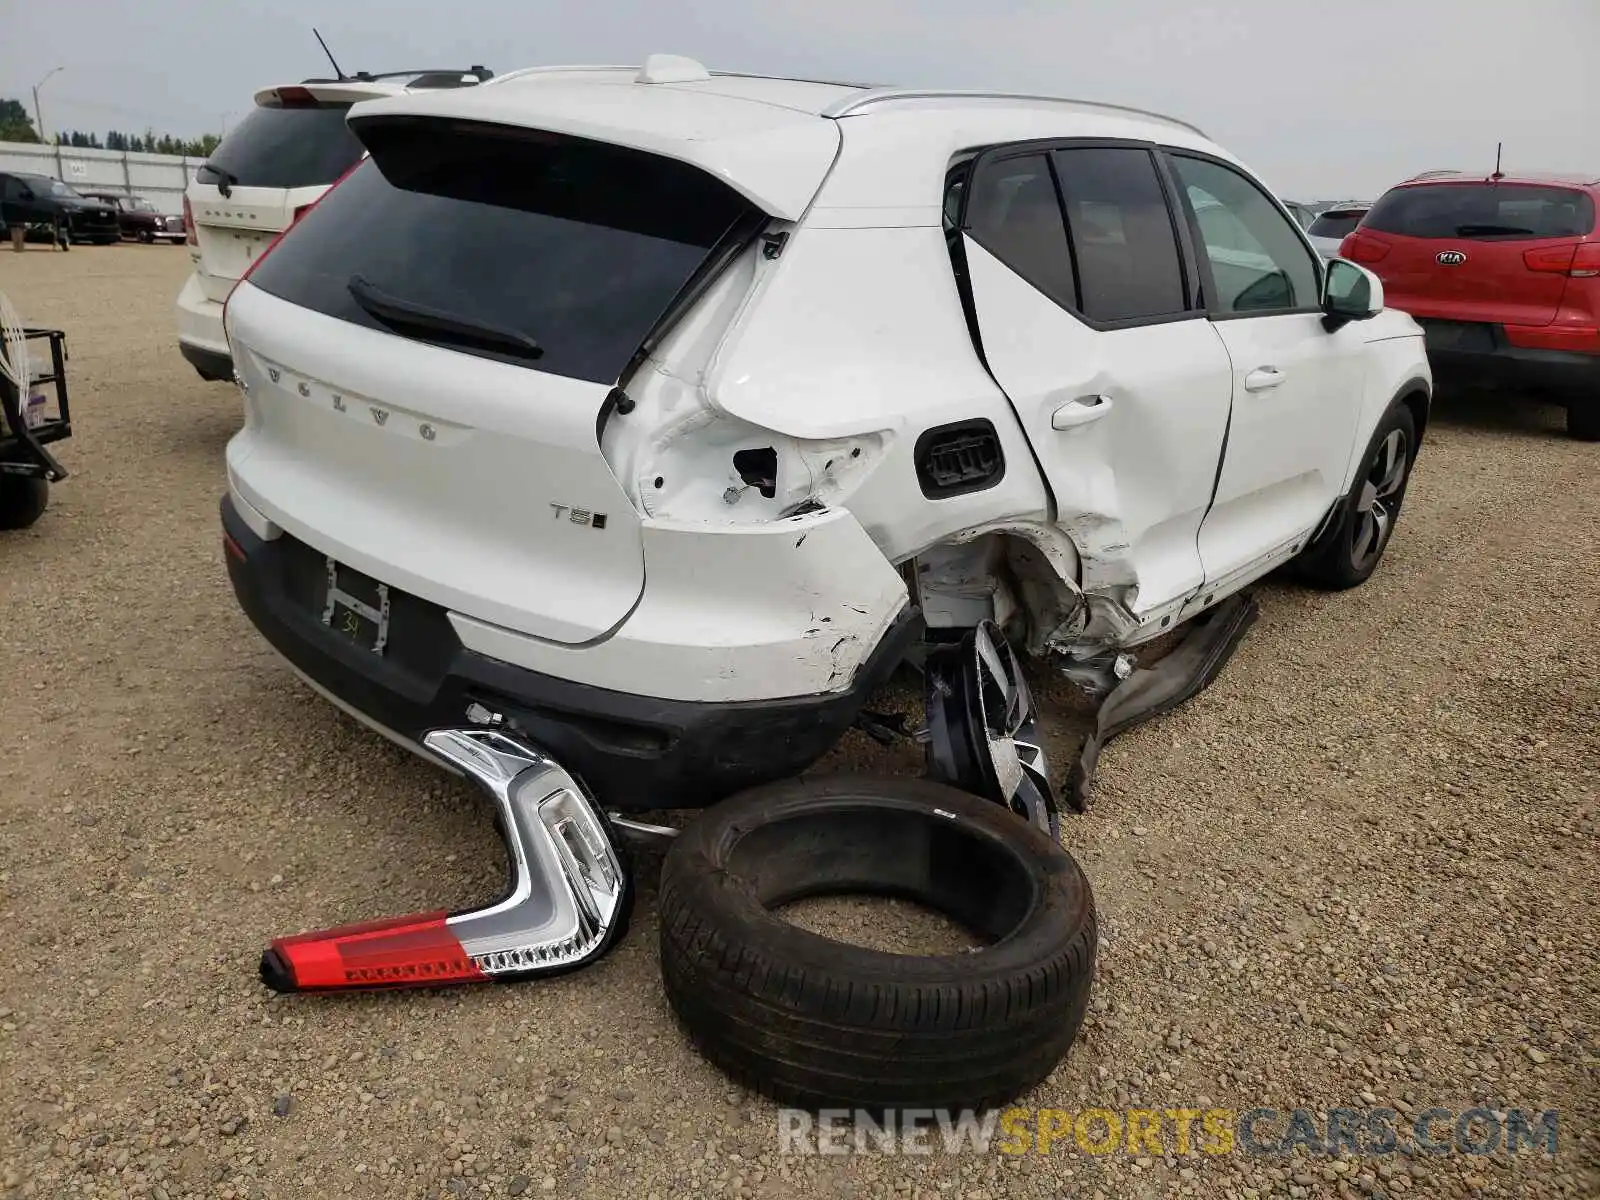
pixel 1583 420
pixel 760 997
pixel 23 499
pixel 1327 562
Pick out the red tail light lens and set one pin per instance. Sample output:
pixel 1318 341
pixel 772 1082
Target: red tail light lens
pixel 189 234
pixel 1358 247
pixel 295 97
pixel 401 951
pixel 1581 259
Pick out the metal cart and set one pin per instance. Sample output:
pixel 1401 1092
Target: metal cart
pixel 30 420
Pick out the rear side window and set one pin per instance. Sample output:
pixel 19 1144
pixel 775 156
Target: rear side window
pixel 1123 241
pixel 1334 225
pixel 552 252
pixel 1015 215
pixel 1488 211
pixel 285 148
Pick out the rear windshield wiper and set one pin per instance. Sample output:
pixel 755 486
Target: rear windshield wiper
pixel 1491 230
pixel 419 316
pixel 225 179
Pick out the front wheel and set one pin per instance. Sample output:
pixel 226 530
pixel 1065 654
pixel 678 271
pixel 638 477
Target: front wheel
pixel 1349 550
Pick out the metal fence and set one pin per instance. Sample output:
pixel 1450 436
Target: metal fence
pixel 159 178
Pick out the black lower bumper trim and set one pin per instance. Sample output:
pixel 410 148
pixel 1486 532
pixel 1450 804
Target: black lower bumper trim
pixel 635 753
pixel 212 366
pixel 1482 356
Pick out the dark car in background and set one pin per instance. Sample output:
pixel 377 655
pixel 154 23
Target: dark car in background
pixel 141 221
pixel 1503 274
pixel 1333 224
pixel 38 200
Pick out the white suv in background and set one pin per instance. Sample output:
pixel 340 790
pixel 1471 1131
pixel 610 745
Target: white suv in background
pixel 654 414
pixel 265 173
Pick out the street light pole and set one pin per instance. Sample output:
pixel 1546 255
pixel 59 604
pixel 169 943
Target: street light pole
pixel 38 117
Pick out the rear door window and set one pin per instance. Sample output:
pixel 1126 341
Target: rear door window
pixel 299 146
pixel 1088 226
pixel 510 236
pixel 1124 243
pixel 1487 211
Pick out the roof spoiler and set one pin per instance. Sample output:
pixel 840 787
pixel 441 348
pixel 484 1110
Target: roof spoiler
pixel 1433 175
pixel 426 76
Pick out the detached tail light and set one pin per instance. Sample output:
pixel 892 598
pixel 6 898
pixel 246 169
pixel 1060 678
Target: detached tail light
pixel 1360 248
pixel 567 902
pixel 402 952
pixel 1581 260
pixel 189 234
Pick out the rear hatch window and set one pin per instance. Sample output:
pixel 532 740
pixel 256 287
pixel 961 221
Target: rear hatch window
pixel 549 251
pixel 1335 224
pixel 1484 211
pixel 300 146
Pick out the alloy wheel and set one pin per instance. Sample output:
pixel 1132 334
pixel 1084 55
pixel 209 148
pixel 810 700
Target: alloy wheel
pixel 1379 502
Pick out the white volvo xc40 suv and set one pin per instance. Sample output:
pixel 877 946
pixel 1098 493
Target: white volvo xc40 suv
pixel 657 413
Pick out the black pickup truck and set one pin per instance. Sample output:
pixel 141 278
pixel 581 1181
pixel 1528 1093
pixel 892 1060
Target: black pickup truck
pixel 38 200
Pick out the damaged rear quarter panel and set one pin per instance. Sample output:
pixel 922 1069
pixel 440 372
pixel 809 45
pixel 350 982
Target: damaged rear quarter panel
pixel 734 612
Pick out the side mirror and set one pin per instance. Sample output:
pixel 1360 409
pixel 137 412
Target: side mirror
pixel 1349 293
pixel 27 193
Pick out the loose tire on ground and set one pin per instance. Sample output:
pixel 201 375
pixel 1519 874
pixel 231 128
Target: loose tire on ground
pixel 818 1023
pixel 22 500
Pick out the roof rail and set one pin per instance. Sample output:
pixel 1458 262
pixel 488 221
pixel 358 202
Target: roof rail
pixel 562 68
pixel 855 104
pixel 481 73
pixel 844 83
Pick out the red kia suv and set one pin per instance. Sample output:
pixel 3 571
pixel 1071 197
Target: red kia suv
pixel 1503 274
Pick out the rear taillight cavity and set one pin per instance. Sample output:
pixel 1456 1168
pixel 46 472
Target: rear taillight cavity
pixel 189 234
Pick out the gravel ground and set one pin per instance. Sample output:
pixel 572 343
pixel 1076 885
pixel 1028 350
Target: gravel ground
pixel 1359 871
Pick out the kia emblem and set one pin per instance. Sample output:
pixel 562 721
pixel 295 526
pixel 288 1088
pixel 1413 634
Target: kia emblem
pixel 1450 258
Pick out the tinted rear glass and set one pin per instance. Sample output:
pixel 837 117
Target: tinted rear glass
pixel 285 148
pixel 1506 211
pixel 1334 225
pixel 1123 241
pixel 577 245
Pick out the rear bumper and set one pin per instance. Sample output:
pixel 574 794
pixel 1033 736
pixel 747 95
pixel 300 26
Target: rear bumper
pixel 200 335
pixel 634 752
pixel 1491 359
pixel 211 365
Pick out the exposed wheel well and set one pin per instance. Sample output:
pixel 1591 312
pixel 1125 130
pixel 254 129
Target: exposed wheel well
pixel 1416 398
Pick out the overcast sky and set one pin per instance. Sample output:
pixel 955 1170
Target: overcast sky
pixel 1324 98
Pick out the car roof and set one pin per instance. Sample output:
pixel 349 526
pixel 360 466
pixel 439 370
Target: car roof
pixel 773 138
pixel 1568 178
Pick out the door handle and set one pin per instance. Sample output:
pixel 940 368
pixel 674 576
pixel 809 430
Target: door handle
pixel 1080 411
pixel 1263 378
